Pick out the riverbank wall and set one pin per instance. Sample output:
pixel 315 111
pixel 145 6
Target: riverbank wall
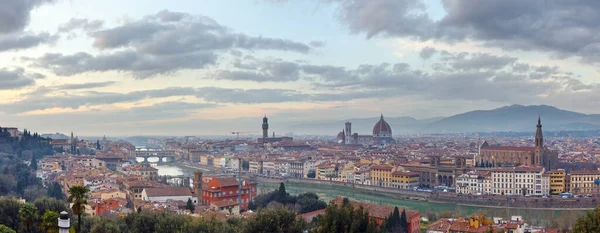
pixel 458 199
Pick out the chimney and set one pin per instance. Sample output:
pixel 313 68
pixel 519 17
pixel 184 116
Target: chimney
pixel 64 222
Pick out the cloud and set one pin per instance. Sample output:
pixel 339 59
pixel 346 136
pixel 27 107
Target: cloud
pixel 564 28
pixel 14 14
pixel 261 71
pixel 478 61
pixel 83 85
pixel 139 65
pixel 427 53
pixel 158 44
pixel 17 78
pixel 77 23
pixel 317 44
pixel 172 32
pixel 18 41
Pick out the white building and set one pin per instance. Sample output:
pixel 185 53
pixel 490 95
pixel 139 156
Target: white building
pixel 473 182
pixel 168 193
pixel 521 181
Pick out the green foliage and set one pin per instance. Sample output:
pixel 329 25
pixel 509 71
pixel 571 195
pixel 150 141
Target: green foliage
pixel 311 174
pixel 346 219
pixel 78 195
pixel 5 229
pixel 302 203
pixel 588 223
pixel 33 163
pixel 50 204
pixel 55 191
pixel 28 216
pixel 102 225
pixel 9 209
pixel 49 222
pixel 190 205
pixel 274 220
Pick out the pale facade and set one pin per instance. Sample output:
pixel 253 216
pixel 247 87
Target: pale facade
pixel 521 181
pixel 585 182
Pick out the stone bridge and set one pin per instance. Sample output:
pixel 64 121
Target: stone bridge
pixel 161 156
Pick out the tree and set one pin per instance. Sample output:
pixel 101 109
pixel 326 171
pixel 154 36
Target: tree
pixel 98 147
pixel 49 222
pixel 403 220
pixel 33 164
pixel 55 191
pixel 78 195
pixel 102 225
pixel 588 223
pixel 274 220
pixel 9 209
pixel 346 219
pixel 311 174
pixel 28 215
pixel 5 229
pixel 190 205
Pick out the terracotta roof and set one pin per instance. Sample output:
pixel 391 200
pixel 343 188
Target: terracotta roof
pixel 308 217
pixel 226 181
pixel 585 172
pixel 224 203
pixel 382 126
pixel 382 167
pixel 443 225
pixel 508 148
pixel 464 226
pixel 168 191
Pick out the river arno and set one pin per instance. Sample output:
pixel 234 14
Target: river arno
pixel 532 216
pixel 553 218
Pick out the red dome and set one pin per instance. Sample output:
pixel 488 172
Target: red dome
pixel 382 127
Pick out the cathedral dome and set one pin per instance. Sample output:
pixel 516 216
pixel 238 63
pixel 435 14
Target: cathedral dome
pixel 382 128
pixel 340 136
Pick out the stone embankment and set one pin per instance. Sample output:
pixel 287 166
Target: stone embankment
pixel 459 199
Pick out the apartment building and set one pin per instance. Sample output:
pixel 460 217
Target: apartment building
pixel 522 181
pixel 585 182
pixel 557 181
pixel 381 175
pixel 473 182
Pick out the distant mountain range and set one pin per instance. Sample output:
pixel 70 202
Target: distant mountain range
pixel 514 118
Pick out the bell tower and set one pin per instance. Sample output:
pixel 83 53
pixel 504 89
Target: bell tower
pixel 265 127
pixel 198 185
pixel 539 144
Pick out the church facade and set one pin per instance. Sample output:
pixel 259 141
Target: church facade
pixel 539 155
pixel 382 135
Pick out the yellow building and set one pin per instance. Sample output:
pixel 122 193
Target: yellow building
pixel 381 175
pixel 326 171
pixel 557 181
pixel 585 182
pixel 405 180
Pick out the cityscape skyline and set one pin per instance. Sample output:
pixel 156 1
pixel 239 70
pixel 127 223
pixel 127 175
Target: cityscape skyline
pixel 163 67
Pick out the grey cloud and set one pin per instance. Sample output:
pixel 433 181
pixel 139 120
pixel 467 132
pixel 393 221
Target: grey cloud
pixel 481 61
pixel 264 71
pixel 427 53
pixel 566 28
pixel 162 44
pixel 17 78
pixel 139 65
pixel 14 14
pixel 83 85
pixel 18 41
pixel 85 24
pixel 172 32
pixel 317 44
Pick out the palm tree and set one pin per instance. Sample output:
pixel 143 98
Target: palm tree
pixel 49 223
pixel 78 196
pixel 27 215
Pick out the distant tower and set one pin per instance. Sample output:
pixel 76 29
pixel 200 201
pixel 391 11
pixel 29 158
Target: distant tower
pixel 198 185
pixel 348 133
pixel 63 222
pixel 265 127
pixel 539 144
pixel 273 134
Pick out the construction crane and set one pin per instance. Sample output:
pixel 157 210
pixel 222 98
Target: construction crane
pixel 237 134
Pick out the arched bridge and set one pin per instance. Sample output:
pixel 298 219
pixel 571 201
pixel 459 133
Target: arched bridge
pixel 154 156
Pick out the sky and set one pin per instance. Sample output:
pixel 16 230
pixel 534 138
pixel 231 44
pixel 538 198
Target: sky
pixel 197 67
